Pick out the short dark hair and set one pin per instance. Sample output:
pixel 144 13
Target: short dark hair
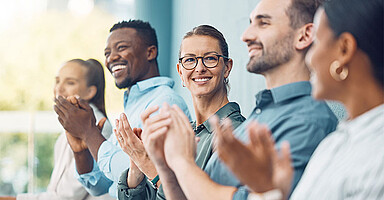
pixel 364 20
pixel 94 77
pixel 302 12
pixel 211 31
pixel 144 31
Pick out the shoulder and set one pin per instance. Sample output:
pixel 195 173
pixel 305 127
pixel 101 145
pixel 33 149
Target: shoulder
pixel 235 115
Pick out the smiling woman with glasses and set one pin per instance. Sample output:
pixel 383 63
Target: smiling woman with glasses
pixel 204 67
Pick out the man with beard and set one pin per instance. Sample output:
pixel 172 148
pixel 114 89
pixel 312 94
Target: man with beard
pixel 131 57
pixel 278 37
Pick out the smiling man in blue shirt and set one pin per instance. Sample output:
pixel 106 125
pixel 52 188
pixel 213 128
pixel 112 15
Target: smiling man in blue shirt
pixel 131 57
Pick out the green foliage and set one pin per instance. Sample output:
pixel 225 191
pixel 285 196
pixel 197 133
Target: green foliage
pixel 44 148
pixel 14 159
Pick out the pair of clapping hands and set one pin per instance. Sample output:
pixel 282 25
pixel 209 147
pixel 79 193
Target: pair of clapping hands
pixel 168 138
pixel 256 164
pixel 77 118
pixel 165 138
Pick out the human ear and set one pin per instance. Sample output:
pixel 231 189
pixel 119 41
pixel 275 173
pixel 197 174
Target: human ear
pixel 151 52
pixel 305 36
pixel 228 67
pixel 91 92
pixel 179 71
pixel 346 47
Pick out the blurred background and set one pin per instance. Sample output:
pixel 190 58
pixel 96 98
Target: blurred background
pixel 37 36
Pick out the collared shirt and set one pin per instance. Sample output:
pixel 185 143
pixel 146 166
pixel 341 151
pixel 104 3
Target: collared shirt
pixel 203 152
pixel 112 160
pixel 349 163
pixel 292 115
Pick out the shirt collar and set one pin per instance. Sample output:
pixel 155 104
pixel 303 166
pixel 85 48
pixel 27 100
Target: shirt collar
pixel 153 82
pixel 290 91
pixel 141 86
pixel 222 113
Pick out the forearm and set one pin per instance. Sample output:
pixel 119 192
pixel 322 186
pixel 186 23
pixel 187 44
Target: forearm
pixel 171 187
pixel 135 176
pixel 84 161
pixel 94 139
pixel 196 184
pixel 148 168
pixel 143 190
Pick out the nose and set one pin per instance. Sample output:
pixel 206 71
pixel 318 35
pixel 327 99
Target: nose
pixel 58 89
pixel 250 34
pixel 200 67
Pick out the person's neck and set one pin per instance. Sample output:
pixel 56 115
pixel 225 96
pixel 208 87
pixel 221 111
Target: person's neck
pixel 153 72
pixel 362 97
pixel 293 71
pixel 206 106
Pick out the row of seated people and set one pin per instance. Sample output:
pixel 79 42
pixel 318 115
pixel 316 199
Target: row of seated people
pixel 291 146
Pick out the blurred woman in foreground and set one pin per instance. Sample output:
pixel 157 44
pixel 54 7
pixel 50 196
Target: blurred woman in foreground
pixel 347 64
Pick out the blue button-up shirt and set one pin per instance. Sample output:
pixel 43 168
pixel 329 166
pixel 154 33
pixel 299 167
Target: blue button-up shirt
pixel 292 115
pixel 112 159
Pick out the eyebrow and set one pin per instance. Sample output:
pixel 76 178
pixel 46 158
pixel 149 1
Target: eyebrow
pixel 117 43
pixel 264 16
pixel 210 52
pixel 68 78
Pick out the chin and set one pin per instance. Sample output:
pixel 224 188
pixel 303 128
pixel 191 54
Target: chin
pixel 318 93
pixel 123 84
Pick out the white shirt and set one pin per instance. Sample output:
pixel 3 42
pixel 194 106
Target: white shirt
pixel 349 163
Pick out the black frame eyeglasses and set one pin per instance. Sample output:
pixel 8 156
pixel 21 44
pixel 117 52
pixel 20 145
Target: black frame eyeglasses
pixel 209 61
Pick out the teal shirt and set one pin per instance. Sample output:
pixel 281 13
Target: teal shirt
pixel 145 190
pixel 292 115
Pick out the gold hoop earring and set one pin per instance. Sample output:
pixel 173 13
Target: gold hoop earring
pixel 334 67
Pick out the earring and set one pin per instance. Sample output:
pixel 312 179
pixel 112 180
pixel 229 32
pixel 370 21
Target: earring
pixel 226 80
pixel 334 67
pixel 182 83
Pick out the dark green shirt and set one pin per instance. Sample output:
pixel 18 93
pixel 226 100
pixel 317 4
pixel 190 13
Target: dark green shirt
pixel 145 190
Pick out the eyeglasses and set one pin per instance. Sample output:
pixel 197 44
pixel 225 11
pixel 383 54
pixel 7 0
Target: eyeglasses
pixel 209 61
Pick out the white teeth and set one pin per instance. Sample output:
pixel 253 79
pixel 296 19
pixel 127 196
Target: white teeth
pixel 202 79
pixel 117 67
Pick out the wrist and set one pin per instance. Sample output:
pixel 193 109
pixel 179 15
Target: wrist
pixel 93 136
pixel 134 178
pixel 147 167
pixel 90 133
pixel 273 194
pixel 181 164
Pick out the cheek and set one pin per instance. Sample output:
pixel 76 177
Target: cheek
pixel 186 75
pixel 74 90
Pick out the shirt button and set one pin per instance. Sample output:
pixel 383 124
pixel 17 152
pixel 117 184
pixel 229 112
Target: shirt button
pixel 258 111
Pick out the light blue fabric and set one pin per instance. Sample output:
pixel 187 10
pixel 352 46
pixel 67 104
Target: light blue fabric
pixel 292 115
pixel 112 159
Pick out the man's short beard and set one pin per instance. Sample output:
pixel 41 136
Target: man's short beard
pixel 279 53
pixel 124 84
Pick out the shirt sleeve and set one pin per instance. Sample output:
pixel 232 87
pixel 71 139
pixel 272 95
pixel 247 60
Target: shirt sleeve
pixel 142 191
pixel 303 136
pixel 172 100
pixel 95 182
pixel 112 160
